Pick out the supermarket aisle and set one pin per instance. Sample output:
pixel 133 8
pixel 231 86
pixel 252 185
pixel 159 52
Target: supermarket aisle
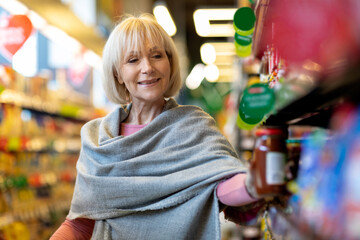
pixel 45 98
pixel 267 75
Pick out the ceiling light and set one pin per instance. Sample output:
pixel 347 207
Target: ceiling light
pixel 212 72
pixel 208 53
pixel 164 18
pixel 195 77
pixel 202 18
pixel 219 53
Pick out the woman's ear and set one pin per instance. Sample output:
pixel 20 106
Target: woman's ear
pixel 116 76
pixel 120 80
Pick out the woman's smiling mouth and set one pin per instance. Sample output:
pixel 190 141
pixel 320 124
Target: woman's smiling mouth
pixel 148 82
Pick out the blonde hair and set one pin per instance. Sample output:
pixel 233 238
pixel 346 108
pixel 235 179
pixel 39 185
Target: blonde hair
pixel 128 35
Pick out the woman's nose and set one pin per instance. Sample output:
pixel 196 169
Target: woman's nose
pixel 146 66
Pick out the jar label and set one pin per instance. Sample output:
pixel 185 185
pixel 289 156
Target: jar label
pixel 275 168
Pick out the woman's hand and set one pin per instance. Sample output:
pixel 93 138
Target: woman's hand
pixel 250 185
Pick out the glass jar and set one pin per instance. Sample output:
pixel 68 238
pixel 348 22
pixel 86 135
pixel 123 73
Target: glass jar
pixel 268 165
pixel 294 151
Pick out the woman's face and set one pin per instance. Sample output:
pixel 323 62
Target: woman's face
pixel 146 73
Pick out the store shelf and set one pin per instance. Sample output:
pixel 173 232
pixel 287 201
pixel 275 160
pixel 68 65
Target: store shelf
pixel 38 211
pixel 316 107
pixel 337 81
pixel 289 225
pixel 334 81
pixel 35 103
pixel 40 144
pixel 40 121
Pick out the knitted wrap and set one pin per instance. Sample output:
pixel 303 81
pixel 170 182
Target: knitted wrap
pixel 158 183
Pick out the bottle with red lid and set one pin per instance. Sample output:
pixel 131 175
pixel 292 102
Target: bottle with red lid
pixel 268 165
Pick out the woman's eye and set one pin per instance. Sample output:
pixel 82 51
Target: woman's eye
pixel 132 60
pixel 157 56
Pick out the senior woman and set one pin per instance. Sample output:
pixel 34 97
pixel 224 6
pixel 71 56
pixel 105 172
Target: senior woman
pixel 151 169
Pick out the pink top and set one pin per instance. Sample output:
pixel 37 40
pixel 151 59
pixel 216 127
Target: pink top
pixel 128 129
pixel 231 192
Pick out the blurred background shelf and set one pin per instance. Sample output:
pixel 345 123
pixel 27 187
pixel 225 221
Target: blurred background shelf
pixel 316 107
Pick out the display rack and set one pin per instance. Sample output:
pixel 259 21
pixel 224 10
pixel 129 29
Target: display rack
pixel 316 107
pixel 39 147
pixel 334 86
pixel 37 174
pixel 72 111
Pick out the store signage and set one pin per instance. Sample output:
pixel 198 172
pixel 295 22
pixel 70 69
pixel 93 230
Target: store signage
pixel 257 101
pixel 14 31
pixel 78 71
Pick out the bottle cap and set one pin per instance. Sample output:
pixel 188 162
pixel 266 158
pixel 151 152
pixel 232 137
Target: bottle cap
pixel 269 131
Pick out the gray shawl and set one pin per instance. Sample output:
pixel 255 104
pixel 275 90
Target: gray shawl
pixel 158 183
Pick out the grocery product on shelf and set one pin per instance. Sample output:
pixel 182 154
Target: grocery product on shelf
pixel 38 153
pixel 310 85
pixel 268 162
pixel 39 147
